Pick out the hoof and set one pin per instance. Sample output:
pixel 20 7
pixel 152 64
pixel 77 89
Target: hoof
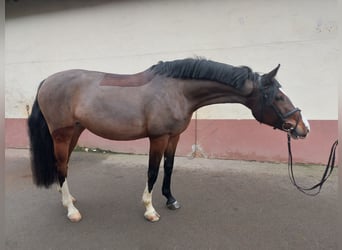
pixel 173 206
pixel 75 217
pixel 152 216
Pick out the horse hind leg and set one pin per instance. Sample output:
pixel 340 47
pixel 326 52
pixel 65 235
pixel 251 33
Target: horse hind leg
pixel 63 139
pixel 77 132
pixel 68 201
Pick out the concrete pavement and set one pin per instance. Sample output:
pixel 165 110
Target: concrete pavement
pixel 225 205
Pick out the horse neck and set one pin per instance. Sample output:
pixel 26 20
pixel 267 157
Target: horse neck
pixel 203 93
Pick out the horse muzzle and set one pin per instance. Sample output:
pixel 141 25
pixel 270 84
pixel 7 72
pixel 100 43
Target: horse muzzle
pixel 301 130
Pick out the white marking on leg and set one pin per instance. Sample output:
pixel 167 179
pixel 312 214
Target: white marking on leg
pixel 59 189
pixel 67 200
pixel 150 213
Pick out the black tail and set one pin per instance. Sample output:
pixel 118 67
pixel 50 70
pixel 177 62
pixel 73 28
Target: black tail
pixel 43 162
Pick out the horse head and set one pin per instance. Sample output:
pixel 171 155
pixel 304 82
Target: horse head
pixel 270 105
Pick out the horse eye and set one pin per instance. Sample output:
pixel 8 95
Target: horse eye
pixel 279 98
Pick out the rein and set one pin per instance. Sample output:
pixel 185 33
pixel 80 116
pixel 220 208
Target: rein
pixel 266 99
pixel 328 170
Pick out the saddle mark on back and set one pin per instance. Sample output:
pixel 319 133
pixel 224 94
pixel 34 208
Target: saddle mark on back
pixel 134 80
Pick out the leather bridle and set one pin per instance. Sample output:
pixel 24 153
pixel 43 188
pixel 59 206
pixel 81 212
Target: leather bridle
pixel 283 118
pixel 267 99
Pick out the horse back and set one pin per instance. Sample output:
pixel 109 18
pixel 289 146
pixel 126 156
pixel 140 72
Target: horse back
pixel 134 80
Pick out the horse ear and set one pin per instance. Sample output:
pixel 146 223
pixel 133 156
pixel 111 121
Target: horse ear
pixel 273 73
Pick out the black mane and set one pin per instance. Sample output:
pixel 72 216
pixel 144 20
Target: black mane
pixel 203 69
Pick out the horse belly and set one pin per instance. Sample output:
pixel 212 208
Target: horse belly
pixel 119 133
pixel 116 128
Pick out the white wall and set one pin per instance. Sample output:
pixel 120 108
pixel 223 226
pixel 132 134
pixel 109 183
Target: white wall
pixel 130 36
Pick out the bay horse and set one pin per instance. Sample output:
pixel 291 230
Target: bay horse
pixel 157 103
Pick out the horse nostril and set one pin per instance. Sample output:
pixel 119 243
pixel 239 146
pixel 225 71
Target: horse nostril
pixel 287 126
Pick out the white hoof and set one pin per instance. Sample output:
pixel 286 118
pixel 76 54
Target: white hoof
pixel 152 216
pixel 75 217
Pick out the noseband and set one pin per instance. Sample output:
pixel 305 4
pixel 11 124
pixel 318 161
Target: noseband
pixel 267 100
pixel 285 116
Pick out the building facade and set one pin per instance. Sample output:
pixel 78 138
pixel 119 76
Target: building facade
pixel 44 37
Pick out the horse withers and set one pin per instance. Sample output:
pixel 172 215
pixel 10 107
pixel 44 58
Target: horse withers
pixel 157 103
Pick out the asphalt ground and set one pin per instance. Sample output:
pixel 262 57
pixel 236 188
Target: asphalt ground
pixel 225 205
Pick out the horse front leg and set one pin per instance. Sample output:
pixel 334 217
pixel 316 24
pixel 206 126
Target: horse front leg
pixel 157 148
pixel 169 156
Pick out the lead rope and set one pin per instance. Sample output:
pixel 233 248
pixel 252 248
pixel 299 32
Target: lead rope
pixel 328 170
